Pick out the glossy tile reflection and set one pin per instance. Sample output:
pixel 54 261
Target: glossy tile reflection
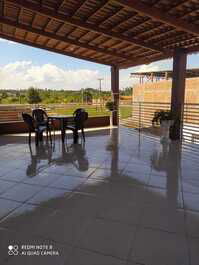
pixel 120 198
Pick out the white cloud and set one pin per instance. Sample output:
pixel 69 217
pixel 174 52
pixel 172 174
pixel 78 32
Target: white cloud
pixel 148 68
pixel 23 74
pixel 156 66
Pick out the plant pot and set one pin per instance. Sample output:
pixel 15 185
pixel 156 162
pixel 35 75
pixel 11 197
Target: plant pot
pixel 165 127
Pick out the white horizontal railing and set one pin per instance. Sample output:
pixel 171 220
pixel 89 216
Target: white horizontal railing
pixel 142 115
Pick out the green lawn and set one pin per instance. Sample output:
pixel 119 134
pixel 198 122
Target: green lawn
pixel 92 110
pixel 125 111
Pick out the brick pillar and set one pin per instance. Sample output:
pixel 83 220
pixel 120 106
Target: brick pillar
pixel 115 93
pixel 178 91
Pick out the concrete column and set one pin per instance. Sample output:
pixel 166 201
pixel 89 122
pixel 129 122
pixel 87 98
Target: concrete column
pixel 178 91
pixel 115 93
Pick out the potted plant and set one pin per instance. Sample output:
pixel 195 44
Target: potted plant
pixel 110 106
pixel 165 119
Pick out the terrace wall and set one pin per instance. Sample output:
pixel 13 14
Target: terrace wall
pixel 20 126
pixel 161 91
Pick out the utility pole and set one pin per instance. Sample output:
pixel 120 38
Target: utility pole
pixel 100 90
pixel 82 96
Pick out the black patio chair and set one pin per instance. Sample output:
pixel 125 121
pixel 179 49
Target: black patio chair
pixel 34 128
pixel 41 119
pixel 80 117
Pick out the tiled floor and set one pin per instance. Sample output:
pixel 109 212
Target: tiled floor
pixel 122 199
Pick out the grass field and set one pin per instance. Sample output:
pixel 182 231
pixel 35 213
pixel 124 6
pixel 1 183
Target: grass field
pixel 125 112
pixel 93 111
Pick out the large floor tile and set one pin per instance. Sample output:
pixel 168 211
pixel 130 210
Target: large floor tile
pixel 85 257
pixel 6 206
pixel 5 185
pixel 68 224
pixel 164 218
pixel 42 179
pixel 81 173
pixel 191 201
pixel 137 178
pixel 26 218
pixel 16 175
pixel 158 181
pixel 171 198
pixel 153 247
pixel 21 192
pixel 67 182
pixel 96 187
pixel 123 212
pixel 50 197
pixel 101 173
pixel 192 223
pixel 194 250
pixel 108 238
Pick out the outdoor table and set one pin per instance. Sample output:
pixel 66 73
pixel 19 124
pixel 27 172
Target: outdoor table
pixel 63 120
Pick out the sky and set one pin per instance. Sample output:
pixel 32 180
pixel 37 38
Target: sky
pixel 22 66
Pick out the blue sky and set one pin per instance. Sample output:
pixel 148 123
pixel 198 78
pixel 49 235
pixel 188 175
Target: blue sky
pixel 22 66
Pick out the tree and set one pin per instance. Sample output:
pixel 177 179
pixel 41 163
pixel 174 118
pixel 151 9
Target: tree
pixel 127 91
pixel 88 97
pixel 33 96
pixel 4 94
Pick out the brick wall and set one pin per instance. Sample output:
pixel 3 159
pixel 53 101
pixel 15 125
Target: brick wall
pixel 161 91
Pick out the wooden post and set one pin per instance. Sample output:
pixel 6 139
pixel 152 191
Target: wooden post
pixel 178 92
pixel 115 93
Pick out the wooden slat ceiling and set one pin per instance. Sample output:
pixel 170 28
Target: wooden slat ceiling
pixel 123 33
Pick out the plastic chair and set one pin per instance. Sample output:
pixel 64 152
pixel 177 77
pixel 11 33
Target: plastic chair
pixel 80 117
pixel 41 118
pixel 32 128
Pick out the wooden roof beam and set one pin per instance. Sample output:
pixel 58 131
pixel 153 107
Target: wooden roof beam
pixel 2 8
pixel 62 38
pixel 129 17
pixel 25 42
pixel 141 61
pixel 159 15
pixel 144 61
pixel 163 25
pixel 84 25
pixel 80 4
pixel 112 15
pixel 157 35
pixel 97 9
pixel 59 4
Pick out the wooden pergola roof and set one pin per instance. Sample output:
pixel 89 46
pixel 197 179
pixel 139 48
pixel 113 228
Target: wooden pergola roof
pixel 165 74
pixel 119 33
